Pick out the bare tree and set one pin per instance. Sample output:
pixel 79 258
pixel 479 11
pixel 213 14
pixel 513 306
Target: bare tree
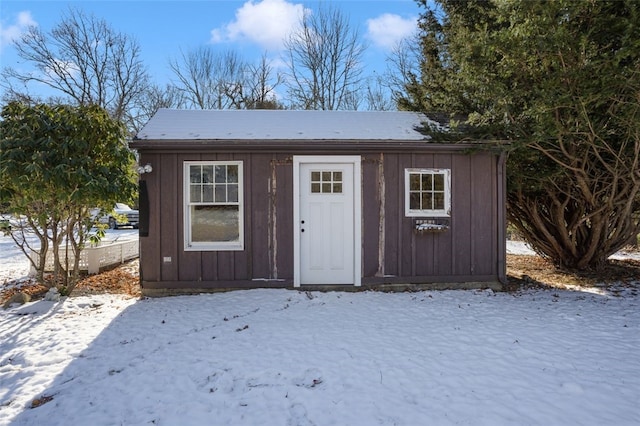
pixel 324 61
pixel 403 65
pixel 208 80
pixel 262 84
pixel 377 95
pixel 155 98
pixel 85 61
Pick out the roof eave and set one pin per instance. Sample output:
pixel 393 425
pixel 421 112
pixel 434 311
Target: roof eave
pixel 273 145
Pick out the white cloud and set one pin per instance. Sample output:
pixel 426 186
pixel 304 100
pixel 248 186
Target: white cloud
pixel 9 33
pixel 387 30
pixel 265 22
pixel 62 68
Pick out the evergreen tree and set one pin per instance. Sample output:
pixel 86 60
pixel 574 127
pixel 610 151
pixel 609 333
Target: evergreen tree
pixel 560 80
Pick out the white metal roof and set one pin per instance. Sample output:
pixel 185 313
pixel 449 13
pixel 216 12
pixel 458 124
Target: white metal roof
pixel 173 124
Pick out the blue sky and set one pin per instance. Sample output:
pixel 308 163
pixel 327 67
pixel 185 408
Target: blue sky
pixel 251 27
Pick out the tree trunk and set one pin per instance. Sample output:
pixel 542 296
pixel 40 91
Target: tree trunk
pixel 573 234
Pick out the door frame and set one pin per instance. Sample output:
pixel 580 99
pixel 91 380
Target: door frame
pixel 355 160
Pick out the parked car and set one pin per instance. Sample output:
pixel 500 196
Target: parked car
pixel 121 215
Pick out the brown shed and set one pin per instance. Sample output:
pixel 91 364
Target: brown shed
pixel 314 200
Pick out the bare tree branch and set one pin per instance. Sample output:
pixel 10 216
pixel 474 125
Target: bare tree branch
pixel 324 62
pixel 85 60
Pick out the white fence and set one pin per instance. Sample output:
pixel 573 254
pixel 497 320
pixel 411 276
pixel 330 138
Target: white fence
pixel 93 259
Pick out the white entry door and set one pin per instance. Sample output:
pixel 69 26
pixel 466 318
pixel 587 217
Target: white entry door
pixel 328 220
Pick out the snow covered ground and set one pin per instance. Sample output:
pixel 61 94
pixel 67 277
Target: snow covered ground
pixel 282 357
pixel 14 264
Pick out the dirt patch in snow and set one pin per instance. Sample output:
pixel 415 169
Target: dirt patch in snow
pixel 523 271
pixel 123 279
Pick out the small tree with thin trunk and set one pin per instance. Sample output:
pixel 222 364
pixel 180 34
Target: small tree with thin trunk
pixel 56 164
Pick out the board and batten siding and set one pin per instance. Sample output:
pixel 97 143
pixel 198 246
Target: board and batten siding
pixel 468 250
pixel 392 251
pixel 163 259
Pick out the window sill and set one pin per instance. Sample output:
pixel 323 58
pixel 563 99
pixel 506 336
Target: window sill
pixel 214 247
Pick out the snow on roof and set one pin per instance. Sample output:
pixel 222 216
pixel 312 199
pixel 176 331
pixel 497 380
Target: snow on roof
pixel 173 124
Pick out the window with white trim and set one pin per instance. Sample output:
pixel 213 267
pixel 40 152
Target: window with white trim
pixel 326 182
pixel 427 192
pixel 213 205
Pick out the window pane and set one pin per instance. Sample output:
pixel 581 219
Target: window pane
pixel 326 176
pixel 438 201
pixel 414 201
pixel 427 201
pixel 315 176
pixel 232 174
pixel 213 202
pixel 428 192
pixel 427 182
pixel 337 188
pixel 326 188
pixel 195 174
pixel 337 176
pixel 215 223
pixel 207 193
pixel 232 193
pixel 438 182
pixel 221 194
pixel 414 182
pixel 221 174
pixel 315 188
pixel 195 193
pixel 207 174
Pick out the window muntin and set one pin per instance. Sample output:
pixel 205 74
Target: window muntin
pixel 326 182
pixel 427 192
pixel 213 205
